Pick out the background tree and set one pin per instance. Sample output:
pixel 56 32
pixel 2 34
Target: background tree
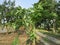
pixel 7 8
pixel 58 11
pixel 45 9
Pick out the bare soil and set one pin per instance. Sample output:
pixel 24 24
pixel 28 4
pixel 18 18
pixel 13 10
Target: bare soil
pixel 6 39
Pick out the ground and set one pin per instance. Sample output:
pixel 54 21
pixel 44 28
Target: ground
pixel 8 39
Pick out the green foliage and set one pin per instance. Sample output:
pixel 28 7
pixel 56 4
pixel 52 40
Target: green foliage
pixel 32 36
pixel 45 9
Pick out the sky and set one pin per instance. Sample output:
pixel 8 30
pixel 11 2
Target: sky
pixel 23 3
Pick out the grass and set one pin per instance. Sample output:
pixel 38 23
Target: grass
pixel 48 41
pixel 15 41
pixel 50 33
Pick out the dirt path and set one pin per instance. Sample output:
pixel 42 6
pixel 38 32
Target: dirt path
pixel 7 39
pixel 23 38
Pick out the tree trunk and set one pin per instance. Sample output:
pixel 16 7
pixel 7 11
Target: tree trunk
pixel 6 29
pixel 54 25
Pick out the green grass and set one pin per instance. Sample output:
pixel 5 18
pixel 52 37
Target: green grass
pixel 15 41
pixel 48 41
pixel 50 33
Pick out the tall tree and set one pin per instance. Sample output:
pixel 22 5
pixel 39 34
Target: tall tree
pixel 45 9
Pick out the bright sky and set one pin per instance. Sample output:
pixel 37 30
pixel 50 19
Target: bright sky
pixel 23 3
